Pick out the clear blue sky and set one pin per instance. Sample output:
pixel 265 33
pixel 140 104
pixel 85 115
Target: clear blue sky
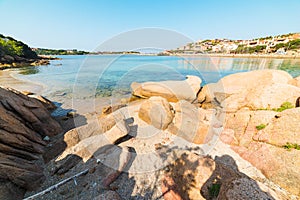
pixel 84 24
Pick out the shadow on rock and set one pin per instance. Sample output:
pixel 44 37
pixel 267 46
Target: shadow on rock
pixel 200 177
pixel 57 144
pixel 227 182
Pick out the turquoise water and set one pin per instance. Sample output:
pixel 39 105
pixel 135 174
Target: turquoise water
pixel 106 75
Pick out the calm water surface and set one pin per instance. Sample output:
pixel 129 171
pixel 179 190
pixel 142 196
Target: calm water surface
pixel 106 75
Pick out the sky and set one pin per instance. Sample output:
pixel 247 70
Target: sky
pixel 86 24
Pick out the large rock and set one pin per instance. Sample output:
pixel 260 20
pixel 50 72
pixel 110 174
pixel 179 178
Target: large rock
pixel 262 97
pixel 97 126
pixel 254 89
pixel 87 146
pixel 173 91
pixel 283 129
pixel 243 125
pixel 276 163
pixel 193 124
pixel 24 122
pixel 156 111
pixel 264 148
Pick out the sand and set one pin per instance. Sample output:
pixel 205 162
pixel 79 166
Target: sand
pixel 8 79
pixel 66 103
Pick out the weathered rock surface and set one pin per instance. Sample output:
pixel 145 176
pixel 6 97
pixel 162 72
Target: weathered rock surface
pixel 282 129
pixel 262 97
pixel 24 122
pixel 87 147
pixel 192 123
pixel 255 90
pixel 264 148
pixel 86 140
pixel 156 111
pixel 295 81
pixel 173 91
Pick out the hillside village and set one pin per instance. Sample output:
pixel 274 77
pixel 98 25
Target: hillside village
pixel 287 44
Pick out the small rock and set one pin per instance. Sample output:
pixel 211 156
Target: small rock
pixel 46 138
pixel 27 93
pixel 71 114
pixel 108 195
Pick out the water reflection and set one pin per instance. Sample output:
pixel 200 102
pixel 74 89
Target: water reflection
pixel 29 70
pixel 239 64
pixel 90 76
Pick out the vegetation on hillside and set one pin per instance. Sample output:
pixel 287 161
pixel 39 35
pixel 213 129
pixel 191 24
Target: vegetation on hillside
pixel 245 49
pixel 10 46
pixel 291 45
pixel 41 51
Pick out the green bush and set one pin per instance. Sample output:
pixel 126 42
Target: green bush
pixel 261 126
pixel 13 47
pixel 284 106
pixel 214 190
pixel 255 49
pixel 290 146
pixel 294 44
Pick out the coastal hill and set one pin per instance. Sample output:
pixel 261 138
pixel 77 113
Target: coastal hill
pixel 41 51
pixel 14 53
pixel 287 44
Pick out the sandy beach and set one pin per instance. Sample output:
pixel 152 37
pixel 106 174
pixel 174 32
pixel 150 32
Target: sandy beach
pixel 8 79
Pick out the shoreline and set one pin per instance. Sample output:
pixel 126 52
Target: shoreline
pixel 24 62
pixel 241 56
pixel 9 79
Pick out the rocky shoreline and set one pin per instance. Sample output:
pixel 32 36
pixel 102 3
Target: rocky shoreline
pixel 8 62
pixel 234 139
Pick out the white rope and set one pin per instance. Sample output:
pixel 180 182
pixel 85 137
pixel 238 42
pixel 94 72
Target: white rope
pixel 53 187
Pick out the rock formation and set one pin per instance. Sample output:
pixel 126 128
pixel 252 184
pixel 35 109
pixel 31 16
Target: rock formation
pixel 24 123
pixel 156 147
pixel 173 91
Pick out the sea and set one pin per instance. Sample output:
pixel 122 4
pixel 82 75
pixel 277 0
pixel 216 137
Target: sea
pixel 102 76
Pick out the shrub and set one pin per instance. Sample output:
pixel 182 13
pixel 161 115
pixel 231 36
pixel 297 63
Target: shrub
pixel 290 146
pixel 261 126
pixel 284 106
pixel 214 190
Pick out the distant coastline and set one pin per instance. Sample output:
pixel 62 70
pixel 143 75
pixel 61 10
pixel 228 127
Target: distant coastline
pixel 239 55
pixel 280 46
